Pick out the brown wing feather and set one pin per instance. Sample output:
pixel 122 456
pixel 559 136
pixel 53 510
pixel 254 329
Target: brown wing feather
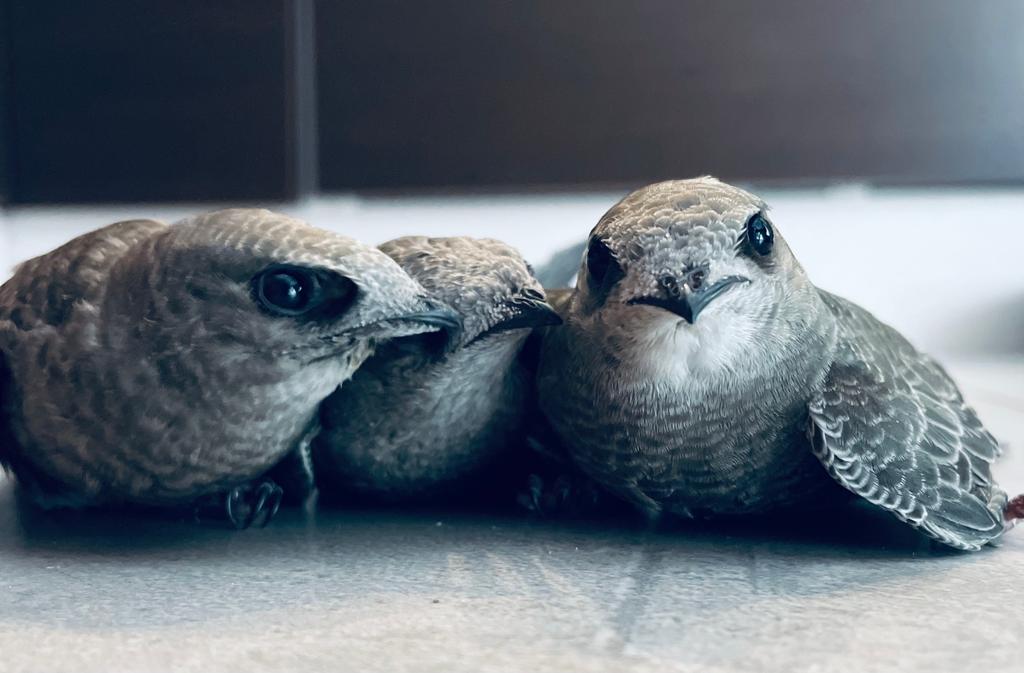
pixel 891 426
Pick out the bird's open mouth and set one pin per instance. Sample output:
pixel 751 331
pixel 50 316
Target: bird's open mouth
pixel 688 304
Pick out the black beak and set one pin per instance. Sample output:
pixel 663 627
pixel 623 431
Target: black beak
pixel 688 304
pixel 525 311
pixel 440 316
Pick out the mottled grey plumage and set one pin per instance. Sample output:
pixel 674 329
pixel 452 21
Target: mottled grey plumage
pixel 736 410
pixel 415 421
pixel 141 368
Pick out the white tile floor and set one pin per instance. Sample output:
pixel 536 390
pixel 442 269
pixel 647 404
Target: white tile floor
pixel 421 591
pixel 390 592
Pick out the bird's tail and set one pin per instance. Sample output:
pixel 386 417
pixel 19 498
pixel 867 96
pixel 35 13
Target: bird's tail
pixel 44 491
pixel 560 269
pixel 6 436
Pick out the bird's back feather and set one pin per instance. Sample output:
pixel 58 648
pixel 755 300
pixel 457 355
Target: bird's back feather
pixel 45 288
pixel 41 296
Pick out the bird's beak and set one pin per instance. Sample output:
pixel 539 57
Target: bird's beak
pixel 438 315
pixel 523 311
pixel 688 304
pixel 526 312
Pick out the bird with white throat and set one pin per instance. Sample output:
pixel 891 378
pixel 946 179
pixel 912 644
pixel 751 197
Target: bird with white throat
pixel 700 372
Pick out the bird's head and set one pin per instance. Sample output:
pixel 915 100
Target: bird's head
pixel 250 286
pixel 487 282
pixel 694 266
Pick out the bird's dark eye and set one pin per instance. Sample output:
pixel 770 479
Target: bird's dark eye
pixel 603 270
pixel 296 291
pixel 530 293
pixel 760 234
pixel 286 292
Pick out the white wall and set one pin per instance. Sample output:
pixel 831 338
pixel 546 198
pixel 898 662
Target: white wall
pixel 941 265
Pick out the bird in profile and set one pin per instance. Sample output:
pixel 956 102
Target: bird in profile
pixel 167 365
pixel 424 419
pixel 701 373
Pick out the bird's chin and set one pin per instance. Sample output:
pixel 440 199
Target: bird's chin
pixel 669 348
pixel 656 317
pixel 646 316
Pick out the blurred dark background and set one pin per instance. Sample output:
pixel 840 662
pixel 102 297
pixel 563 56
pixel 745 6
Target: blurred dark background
pixel 271 99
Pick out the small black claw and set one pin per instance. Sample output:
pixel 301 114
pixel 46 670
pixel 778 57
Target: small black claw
pixel 563 496
pixel 253 505
pixel 530 500
pixel 268 501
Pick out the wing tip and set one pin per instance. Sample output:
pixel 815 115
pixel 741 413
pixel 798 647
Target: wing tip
pixel 966 539
pixel 969 528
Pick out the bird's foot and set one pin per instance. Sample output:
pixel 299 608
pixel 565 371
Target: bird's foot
pixel 563 495
pixel 253 504
pixel 244 506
